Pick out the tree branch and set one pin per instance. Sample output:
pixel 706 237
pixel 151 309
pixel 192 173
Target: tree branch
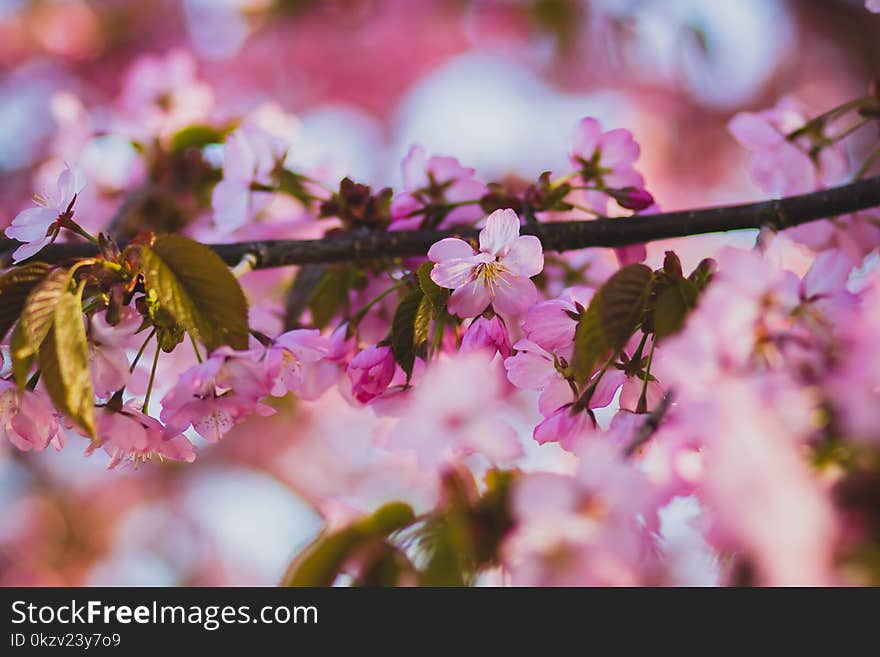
pixel 556 236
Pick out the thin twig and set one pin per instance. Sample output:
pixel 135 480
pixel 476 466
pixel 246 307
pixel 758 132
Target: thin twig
pixel 649 428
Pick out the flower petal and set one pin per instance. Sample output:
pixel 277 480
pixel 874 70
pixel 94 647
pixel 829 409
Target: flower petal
pixel 514 295
pixel 619 149
pixel 448 249
pixel 31 224
pixel 453 274
pixel 525 257
pixel 469 300
pixel 25 251
pixel 502 227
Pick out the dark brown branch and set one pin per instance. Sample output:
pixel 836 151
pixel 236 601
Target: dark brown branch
pixel 558 236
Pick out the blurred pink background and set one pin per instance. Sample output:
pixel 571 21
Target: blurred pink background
pixel 498 84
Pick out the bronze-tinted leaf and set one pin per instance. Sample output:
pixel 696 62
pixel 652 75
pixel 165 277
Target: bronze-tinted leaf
pixel 64 363
pixel 15 286
pixel 36 319
pixel 196 287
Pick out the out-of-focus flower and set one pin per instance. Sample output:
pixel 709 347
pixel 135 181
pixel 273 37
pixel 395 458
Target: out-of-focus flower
pixel 444 420
pixel 37 226
pixel 431 185
pixel 762 499
pixel 499 274
pixel 250 156
pixel 162 95
pixel 290 356
pixel 371 371
pixel 27 419
pixel 592 529
pixel 487 334
pixel 608 158
pixel 781 166
pixel 823 288
pixel 873 5
pixel 215 395
pixel 854 384
pixel 128 435
pixel 567 426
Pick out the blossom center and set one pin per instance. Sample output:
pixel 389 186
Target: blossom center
pixel 490 273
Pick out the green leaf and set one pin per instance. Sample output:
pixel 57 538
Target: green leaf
pixel 610 320
pixel 385 568
pixel 422 325
pixel 403 330
pixel 319 563
pixel 623 298
pixel 669 312
pixel 672 307
pixel 15 286
pixel 330 295
pixel 197 289
pixel 64 363
pixel 36 320
pixel 438 296
pixel 589 343
pixel 198 136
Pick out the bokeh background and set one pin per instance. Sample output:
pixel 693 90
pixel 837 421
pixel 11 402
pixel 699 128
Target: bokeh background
pixel 498 84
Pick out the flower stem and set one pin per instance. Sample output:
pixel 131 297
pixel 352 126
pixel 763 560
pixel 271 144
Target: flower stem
pixel 70 224
pixel 141 351
pixel 869 161
pixel 195 348
pixel 146 406
pixel 642 406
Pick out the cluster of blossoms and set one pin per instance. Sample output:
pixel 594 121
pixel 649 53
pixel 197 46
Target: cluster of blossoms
pixel 748 389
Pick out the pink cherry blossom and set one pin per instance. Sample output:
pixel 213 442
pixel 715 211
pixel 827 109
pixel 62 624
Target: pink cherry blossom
pixel 784 525
pixel 585 530
pixel 551 324
pixel 873 5
pixel 37 226
pixel 781 166
pixel 823 287
pixel 498 274
pixel 854 384
pixel 487 334
pixel 568 426
pixel 291 356
pixel 108 359
pixel 444 420
pixel 371 372
pixel 27 419
pixel 608 157
pixel 128 435
pixel 162 94
pixel 435 181
pixel 535 368
pixel 215 395
pixel 250 156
